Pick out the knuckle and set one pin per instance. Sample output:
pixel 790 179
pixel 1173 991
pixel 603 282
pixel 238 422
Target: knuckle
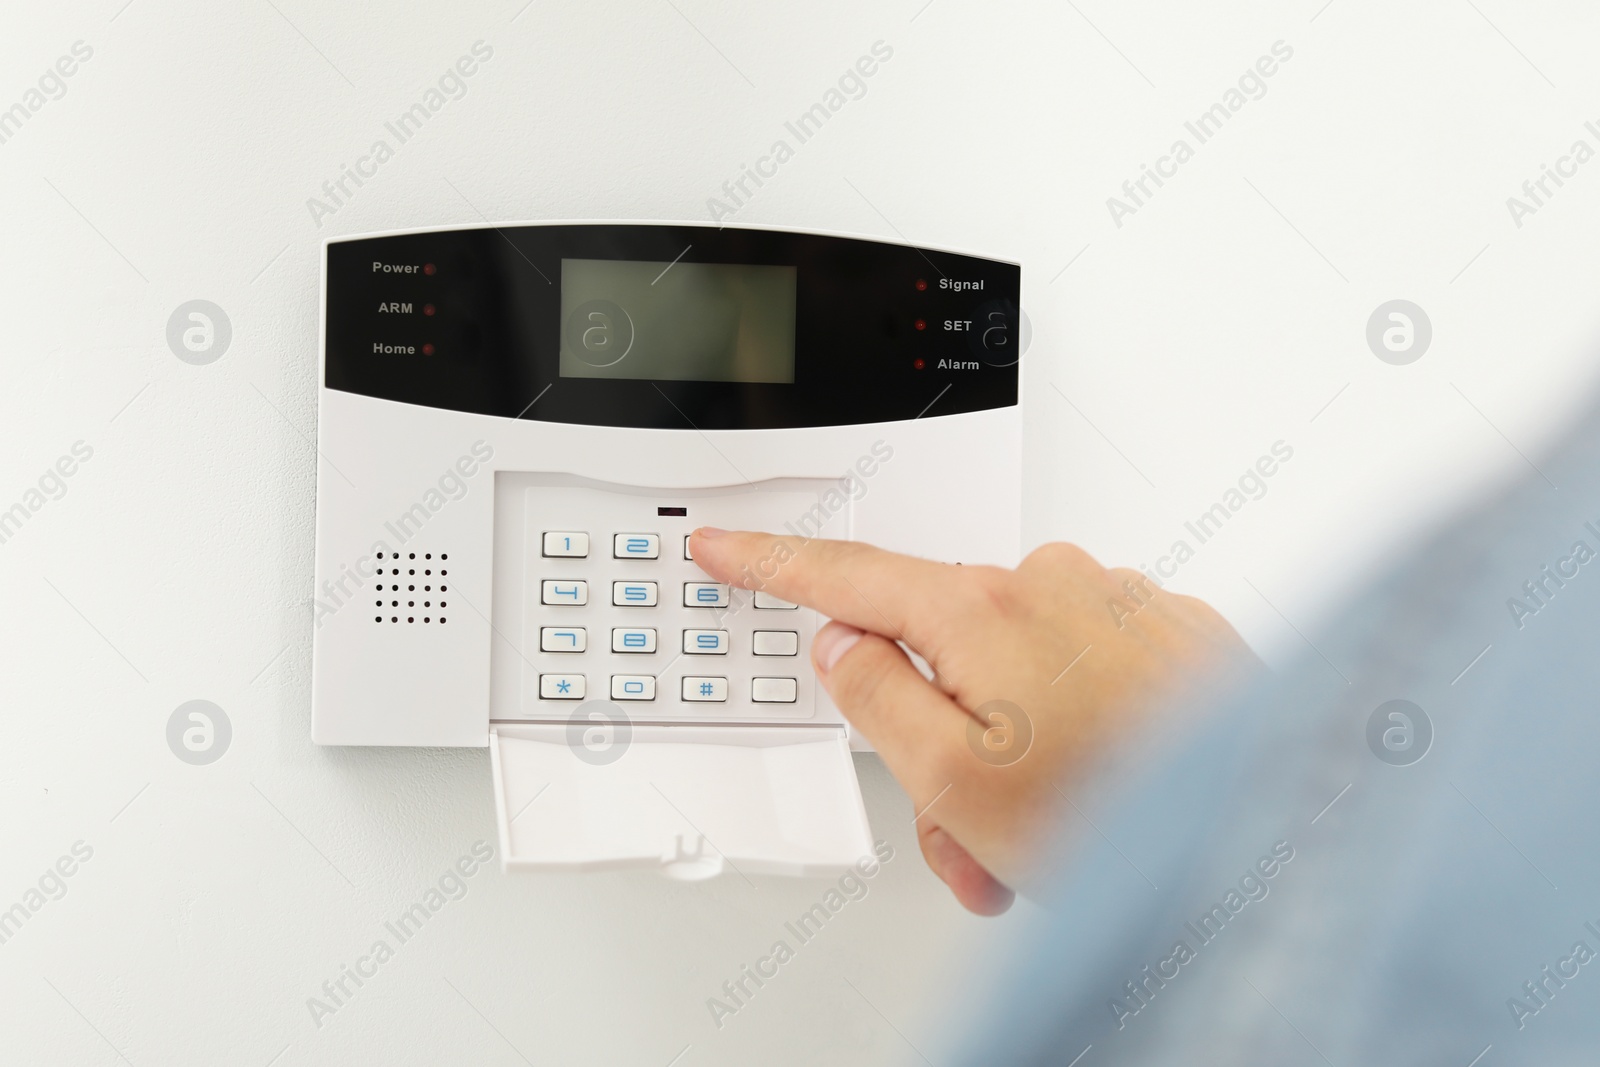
pixel 1060 556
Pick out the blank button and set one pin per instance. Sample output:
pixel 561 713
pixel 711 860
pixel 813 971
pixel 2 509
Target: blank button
pixel 767 600
pixel 773 690
pixel 776 643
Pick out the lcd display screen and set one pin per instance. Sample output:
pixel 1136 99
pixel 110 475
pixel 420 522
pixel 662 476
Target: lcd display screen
pixel 676 321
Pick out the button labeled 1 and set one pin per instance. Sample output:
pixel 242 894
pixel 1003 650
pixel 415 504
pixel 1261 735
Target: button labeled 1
pixel 563 544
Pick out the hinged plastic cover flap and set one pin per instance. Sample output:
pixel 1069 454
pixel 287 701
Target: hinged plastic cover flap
pixel 687 799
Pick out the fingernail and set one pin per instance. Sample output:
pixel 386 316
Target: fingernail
pixel 833 642
pixel 709 532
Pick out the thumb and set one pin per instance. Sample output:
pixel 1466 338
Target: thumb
pixel 919 732
pixel 974 887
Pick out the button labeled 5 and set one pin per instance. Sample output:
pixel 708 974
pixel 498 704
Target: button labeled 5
pixel 634 594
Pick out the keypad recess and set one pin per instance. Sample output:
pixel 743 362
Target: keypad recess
pixel 616 609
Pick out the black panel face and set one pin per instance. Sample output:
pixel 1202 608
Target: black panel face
pixel 472 320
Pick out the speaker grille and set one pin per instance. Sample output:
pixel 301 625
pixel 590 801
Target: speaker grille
pixel 413 588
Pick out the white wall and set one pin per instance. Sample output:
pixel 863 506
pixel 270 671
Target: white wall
pixel 1173 351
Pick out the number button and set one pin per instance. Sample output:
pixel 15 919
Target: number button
pixel 636 546
pixel 773 690
pixel 686 553
pixel 555 639
pixel 561 686
pixel 633 687
pixel 705 689
pixel 562 544
pixel 705 595
pixel 633 640
pixel 559 592
pixel 705 642
pixel 634 594
pixel 776 643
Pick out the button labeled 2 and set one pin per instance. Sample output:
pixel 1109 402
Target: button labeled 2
pixel 636 546
pixel 564 544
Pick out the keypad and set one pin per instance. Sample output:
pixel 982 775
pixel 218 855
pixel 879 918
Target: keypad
pixel 667 636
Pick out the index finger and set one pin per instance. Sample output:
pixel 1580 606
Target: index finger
pixel 896 596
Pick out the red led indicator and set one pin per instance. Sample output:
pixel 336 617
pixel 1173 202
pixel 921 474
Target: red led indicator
pixel 427 349
pixel 919 324
pixel 427 309
pixel 918 363
pixel 429 268
pixel 922 284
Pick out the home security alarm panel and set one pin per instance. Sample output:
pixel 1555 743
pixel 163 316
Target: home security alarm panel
pixel 519 427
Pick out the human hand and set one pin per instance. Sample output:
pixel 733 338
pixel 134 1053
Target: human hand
pixel 1085 653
